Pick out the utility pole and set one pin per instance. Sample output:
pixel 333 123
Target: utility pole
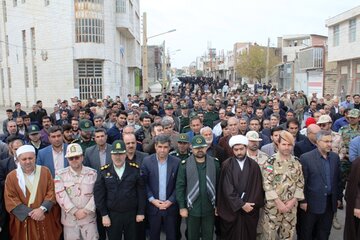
pixel 145 55
pixel 164 66
pixel 267 62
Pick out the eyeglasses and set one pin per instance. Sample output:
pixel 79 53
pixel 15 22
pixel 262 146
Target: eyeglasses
pixel 74 158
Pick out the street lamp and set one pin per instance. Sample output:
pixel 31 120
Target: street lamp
pixel 144 53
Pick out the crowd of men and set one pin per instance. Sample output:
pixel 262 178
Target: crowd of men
pixel 239 165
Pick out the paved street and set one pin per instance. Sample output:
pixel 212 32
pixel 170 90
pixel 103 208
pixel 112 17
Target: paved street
pixel 335 234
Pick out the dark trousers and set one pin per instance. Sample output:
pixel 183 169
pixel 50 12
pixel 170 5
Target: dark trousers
pixel 318 226
pixel 170 226
pixel 122 223
pixel 100 226
pixel 201 227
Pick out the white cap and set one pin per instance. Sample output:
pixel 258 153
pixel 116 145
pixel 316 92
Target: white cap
pixel 253 136
pixel 238 139
pixel 24 149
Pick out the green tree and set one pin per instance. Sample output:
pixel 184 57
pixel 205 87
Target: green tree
pixel 252 64
pixel 199 73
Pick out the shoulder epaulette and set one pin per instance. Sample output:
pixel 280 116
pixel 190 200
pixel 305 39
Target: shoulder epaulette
pixel 61 171
pixel 134 165
pixel 75 141
pixel 271 160
pixel 106 166
pixel 172 152
pixel 183 161
pixel 216 159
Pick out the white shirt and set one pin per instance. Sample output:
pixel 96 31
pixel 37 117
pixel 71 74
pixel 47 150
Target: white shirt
pixel 58 159
pixel 241 163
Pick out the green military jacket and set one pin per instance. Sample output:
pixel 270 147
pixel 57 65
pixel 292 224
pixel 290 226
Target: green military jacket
pixel 202 205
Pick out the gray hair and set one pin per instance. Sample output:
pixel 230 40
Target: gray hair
pixel 162 138
pixel 166 121
pixel 321 134
pixel 204 129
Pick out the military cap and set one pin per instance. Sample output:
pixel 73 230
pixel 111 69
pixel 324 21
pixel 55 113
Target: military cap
pixel 184 106
pixel 117 147
pixel 354 113
pixel 86 125
pixel 183 137
pixel 211 102
pixel 169 106
pixel 73 150
pixel 324 119
pixel 192 114
pixel 253 136
pixel 198 141
pixel 33 129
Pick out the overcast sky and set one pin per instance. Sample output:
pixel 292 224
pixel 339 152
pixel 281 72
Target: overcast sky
pixel 199 23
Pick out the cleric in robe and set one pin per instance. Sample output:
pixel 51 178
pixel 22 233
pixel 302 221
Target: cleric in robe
pixel 240 194
pixel 29 199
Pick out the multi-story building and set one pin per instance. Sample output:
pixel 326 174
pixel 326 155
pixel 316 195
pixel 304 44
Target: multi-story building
pixel 57 49
pixel 344 49
pixel 303 63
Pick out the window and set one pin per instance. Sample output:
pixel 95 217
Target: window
pixel 2 78
pixel 14 3
pixel 9 77
pixel 90 79
pixel 47 2
pixel 4 11
pixel 22 1
pixel 33 57
pixel 7 44
pixel 90 30
pixel 336 36
pixel 121 6
pixel 352 30
pixel 89 25
pixel 26 70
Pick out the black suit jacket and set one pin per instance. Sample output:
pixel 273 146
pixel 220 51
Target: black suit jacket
pixel 303 146
pixel 315 189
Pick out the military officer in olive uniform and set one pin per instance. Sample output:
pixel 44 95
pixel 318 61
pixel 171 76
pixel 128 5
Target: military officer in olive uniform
pixel 86 135
pixel 187 128
pixel 184 117
pixel 210 115
pixel 196 186
pixel 120 195
pixel 183 147
pixel 347 133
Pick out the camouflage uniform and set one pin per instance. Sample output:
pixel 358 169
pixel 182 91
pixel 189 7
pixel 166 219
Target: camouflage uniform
pixel 283 180
pixel 260 158
pixel 347 134
pixel 299 106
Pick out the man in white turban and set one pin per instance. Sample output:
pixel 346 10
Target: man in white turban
pixel 240 194
pixel 30 201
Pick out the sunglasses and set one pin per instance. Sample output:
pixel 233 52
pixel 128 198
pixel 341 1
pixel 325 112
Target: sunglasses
pixel 323 124
pixel 74 158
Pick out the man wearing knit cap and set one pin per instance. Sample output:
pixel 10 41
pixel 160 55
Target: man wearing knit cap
pixel 196 186
pixel 30 201
pixel 283 182
pixel 240 193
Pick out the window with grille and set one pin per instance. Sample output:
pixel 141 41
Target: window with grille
pixel 336 35
pixel 89 24
pixel 352 30
pixel 33 57
pixel 121 6
pixel 90 79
